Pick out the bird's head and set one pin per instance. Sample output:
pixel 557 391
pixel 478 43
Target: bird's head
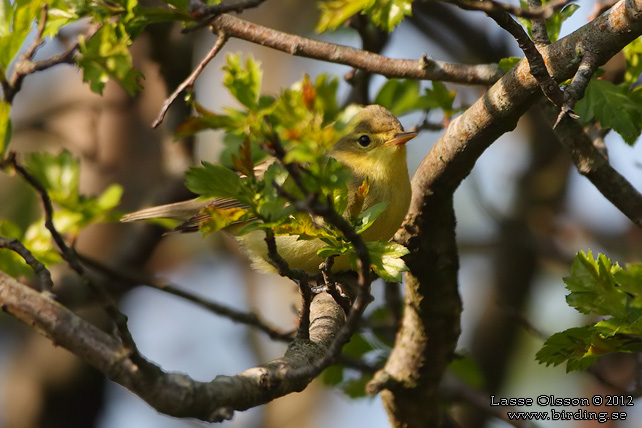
pixel 375 144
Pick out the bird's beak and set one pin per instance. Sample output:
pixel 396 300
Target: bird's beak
pixel 401 138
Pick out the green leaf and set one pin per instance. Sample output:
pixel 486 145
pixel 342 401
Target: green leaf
pixel 441 96
pixel 356 388
pixel 368 216
pixel 333 375
pixel 399 96
pixel 612 106
pixel 572 346
pixel 58 174
pixel 106 55
pixel 59 14
pixel 593 286
pixel 6 17
pixel 386 14
pixel 554 23
pixel 509 62
pixel 213 180
pixel 386 260
pixel 220 218
pixel 331 250
pixel 15 24
pixel 5 127
pixel 336 12
pixel 466 368
pixel 633 55
pixel 602 287
pixel 110 198
pixel 243 82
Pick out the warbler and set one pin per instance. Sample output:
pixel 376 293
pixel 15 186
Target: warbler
pixel 373 150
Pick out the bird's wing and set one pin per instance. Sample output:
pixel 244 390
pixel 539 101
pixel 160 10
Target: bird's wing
pixel 193 224
pixel 191 212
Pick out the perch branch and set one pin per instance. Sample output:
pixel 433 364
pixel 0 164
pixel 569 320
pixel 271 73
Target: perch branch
pixel 424 68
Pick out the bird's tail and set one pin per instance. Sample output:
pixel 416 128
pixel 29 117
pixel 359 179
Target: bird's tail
pixel 179 211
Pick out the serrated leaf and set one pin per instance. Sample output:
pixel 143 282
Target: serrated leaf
pixel 593 286
pixel 106 55
pixel 570 345
pixel 612 107
pixel 59 14
pixel 213 181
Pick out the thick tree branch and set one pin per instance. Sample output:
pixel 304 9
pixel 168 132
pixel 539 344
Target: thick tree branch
pixel 424 68
pixel 430 326
pixel 174 393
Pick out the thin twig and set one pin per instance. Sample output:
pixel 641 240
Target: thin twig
pixel 575 90
pixel 332 287
pixel 26 66
pixel 39 269
pixel 301 278
pixel 247 318
pixel 191 79
pixel 200 11
pixel 542 12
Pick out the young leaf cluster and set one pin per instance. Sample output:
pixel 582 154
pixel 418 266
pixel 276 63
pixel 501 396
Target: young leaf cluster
pixel 599 287
pixel 60 177
pixel 402 96
pixel 386 14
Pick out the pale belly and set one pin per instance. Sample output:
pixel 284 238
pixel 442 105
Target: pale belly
pixel 302 254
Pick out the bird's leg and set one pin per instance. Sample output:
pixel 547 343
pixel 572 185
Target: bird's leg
pixel 332 287
pixel 303 332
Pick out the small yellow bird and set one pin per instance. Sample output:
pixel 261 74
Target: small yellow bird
pixel 374 150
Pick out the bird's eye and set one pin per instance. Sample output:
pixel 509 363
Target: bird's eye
pixel 364 141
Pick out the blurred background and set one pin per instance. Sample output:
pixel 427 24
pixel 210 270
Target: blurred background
pixel 522 215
